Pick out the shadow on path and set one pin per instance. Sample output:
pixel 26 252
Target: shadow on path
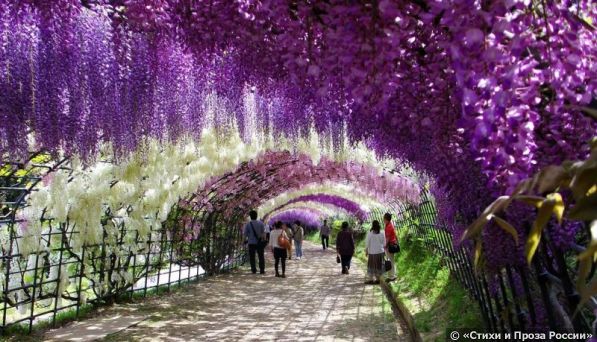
pixel 315 303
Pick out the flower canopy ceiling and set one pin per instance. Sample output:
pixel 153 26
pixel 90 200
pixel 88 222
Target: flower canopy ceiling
pixel 472 96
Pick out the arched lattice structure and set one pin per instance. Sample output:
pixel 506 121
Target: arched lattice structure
pixel 336 201
pixel 51 264
pixel 172 129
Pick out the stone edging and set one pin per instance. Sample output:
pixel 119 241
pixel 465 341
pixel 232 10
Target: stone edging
pixel 397 303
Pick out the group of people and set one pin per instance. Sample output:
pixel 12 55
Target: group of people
pixel 377 246
pixel 280 239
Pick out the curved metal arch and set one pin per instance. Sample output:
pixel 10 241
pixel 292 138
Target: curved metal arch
pixel 299 199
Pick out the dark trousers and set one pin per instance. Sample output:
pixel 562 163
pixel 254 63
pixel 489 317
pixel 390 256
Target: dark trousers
pixel 325 241
pixel 280 255
pixel 252 250
pixel 346 261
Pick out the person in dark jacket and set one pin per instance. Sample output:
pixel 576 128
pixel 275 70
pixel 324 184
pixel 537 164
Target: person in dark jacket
pixel 345 247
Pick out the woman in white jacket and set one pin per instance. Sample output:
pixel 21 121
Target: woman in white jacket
pixel 278 251
pixel 374 249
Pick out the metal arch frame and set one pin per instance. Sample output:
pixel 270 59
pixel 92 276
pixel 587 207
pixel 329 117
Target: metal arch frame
pixel 21 187
pixel 520 290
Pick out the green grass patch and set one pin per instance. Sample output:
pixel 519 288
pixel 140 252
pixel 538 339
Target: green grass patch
pixel 20 332
pixel 434 298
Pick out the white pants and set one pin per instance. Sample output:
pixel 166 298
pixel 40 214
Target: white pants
pixel 392 272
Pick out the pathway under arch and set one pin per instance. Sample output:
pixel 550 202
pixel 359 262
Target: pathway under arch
pixel 315 303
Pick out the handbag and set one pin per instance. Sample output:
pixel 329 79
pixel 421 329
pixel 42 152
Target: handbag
pixel 337 258
pixel 394 247
pixel 260 242
pixel 283 241
pixel 388 265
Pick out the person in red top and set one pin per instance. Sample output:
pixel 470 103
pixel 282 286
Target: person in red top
pixel 390 232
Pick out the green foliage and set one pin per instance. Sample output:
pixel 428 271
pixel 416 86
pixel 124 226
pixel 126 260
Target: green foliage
pixel 544 192
pixel 431 294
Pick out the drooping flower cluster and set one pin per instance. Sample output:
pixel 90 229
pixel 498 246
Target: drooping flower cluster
pixel 348 191
pixel 309 218
pixel 322 210
pixel 476 95
pixel 218 172
pixel 342 203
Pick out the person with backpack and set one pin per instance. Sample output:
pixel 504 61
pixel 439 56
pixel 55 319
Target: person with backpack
pixel 345 247
pixel 299 234
pixel 254 232
pixel 391 246
pixel 374 250
pixel 278 242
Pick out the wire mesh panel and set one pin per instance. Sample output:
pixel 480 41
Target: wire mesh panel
pixel 512 297
pixel 49 269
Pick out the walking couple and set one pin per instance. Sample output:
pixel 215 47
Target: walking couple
pixel 378 245
pixel 296 234
pixel 279 242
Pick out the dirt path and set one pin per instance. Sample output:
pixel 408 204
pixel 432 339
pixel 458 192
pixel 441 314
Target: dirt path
pixel 315 303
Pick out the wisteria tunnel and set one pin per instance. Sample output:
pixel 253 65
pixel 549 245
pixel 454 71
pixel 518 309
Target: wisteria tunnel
pixel 137 135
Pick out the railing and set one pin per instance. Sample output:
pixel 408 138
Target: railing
pixel 63 276
pixel 38 286
pixel 539 298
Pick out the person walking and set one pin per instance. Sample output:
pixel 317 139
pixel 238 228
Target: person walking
pixel 254 232
pixel 391 245
pixel 345 247
pixel 299 234
pixel 278 250
pixel 324 233
pixel 290 236
pixel 374 250
pixel 268 230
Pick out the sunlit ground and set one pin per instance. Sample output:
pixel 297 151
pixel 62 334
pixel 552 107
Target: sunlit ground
pixel 315 303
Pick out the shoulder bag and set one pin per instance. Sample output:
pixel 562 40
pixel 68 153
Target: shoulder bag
pixel 388 265
pixel 394 247
pixel 283 241
pixel 261 243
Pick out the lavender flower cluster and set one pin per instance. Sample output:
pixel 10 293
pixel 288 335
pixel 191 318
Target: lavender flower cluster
pixel 478 95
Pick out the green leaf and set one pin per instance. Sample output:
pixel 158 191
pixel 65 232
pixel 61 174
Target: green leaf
pixel 586 293
pixel 534 237
pixel 587 110
pixel 591 251
pixel 478 252
pixel 558 207
pixel 535 201
pixel 550 178
pixel 507 227
pixel 475 228
pixel 500 204
pixel 522 187
pixel 585 209
pixel 588 253
pixel 583 181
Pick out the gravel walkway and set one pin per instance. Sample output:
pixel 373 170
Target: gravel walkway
pixel 315 303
